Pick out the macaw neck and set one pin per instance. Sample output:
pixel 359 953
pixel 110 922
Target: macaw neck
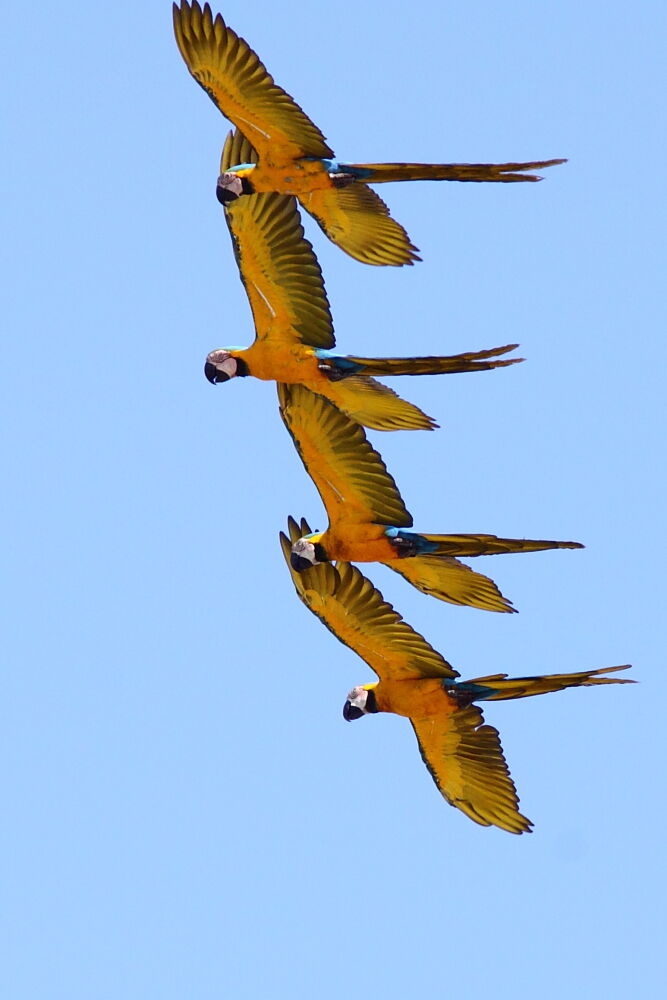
pixel 320 551
pixel 371 700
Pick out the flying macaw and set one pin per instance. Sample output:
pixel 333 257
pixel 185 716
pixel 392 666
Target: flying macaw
pixel 462 754
pixel 367 516
pixel 294 157
pixel 293 326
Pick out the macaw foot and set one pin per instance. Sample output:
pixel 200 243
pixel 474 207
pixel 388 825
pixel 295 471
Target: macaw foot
pixel 405 547
pixel 331 370
pixel 341 179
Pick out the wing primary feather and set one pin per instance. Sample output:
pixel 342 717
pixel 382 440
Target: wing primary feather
pixel 465 758
pixel 349 474
pixel 277 265
pixel 355 611
pixel 239 84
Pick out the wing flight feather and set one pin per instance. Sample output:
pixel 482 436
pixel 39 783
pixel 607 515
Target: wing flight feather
pixel 278 268
pixel 240 86
pixel 356 612
pixel 349 474
pixel 357 220
pixel 450 580
pixel 465 759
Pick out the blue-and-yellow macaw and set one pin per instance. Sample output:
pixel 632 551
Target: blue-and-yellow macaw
pixel 294 157
pixel 293 326
pixel 367 516
pixel 463 755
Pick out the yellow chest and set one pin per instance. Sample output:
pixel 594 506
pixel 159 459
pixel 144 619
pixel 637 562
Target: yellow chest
pixel 358 543
pixel 416 699
pixel 297 177
pixel 275 362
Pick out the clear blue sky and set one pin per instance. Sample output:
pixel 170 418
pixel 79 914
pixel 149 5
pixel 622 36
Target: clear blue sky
pixel 186 814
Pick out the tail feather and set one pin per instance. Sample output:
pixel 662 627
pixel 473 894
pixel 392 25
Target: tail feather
pixel 489 545
pixel 503 173
pixel 504 688
pixel 471 361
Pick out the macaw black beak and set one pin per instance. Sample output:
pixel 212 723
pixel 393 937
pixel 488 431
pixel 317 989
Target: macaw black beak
pixel 229 187
pixel 213 373
pixel 351 712
pixel 299 563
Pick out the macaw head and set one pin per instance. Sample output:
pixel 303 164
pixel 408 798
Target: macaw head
pixel 307 552
pixel 360 701
pixel 221 365
pixel 231 186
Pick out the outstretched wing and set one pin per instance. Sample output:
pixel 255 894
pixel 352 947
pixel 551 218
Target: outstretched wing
pixel 237 82
pixel 450 580
pixel 375 405
pixel 350 476
pixel 357 220
pixel 466 761
pixel 355 611
pixel 278 267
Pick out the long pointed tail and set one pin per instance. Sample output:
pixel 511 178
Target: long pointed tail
pixel 471 361
pixel 502 173
pixel 500 687
pixel 428 563
pixel 484 545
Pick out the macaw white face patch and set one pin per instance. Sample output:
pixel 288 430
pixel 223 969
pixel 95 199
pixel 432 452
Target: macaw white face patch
pixel 358 697
pixel 229 366
pixel 306 550
pixel 224 362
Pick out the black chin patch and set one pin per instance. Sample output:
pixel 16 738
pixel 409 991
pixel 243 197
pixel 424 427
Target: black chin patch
pixel 320 554
pixel 371 703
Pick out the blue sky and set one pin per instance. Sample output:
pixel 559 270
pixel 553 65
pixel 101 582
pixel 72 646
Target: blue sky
pixel 186 812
